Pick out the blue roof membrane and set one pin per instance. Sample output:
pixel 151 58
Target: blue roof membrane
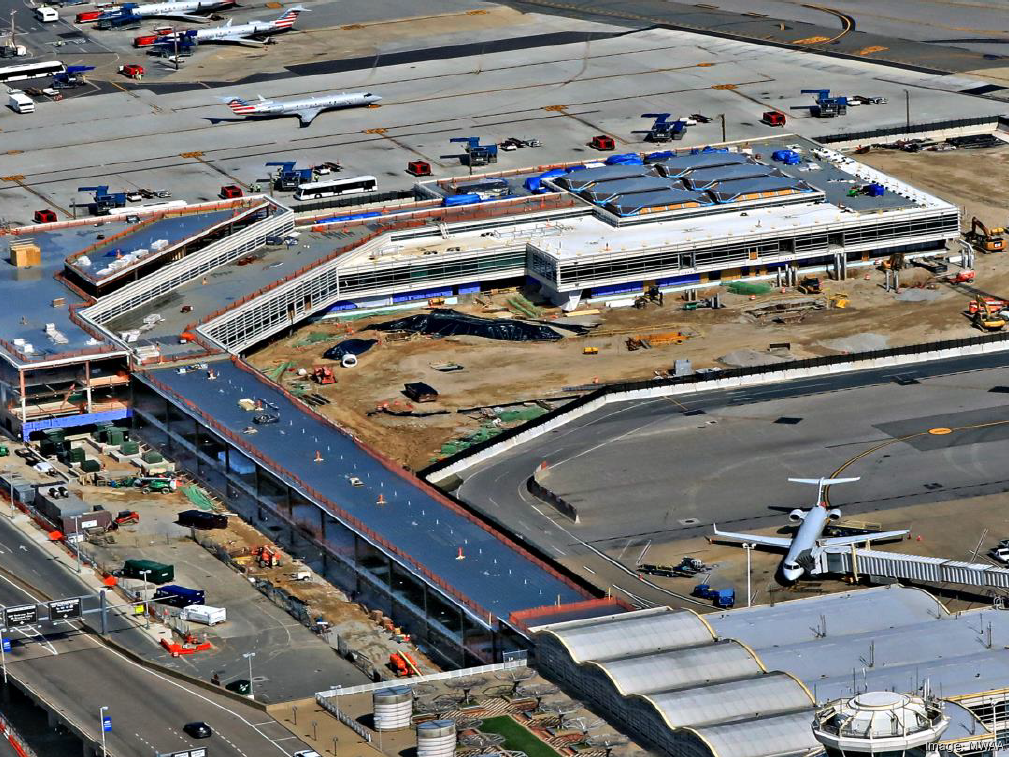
pixel 30 292
pixel 416 519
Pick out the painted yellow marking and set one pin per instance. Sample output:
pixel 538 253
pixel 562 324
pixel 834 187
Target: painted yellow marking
pixel 940 431
pixel 723 86
pixel 871 49
pixel 811 41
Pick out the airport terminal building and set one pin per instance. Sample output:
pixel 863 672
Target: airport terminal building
pixel 145 322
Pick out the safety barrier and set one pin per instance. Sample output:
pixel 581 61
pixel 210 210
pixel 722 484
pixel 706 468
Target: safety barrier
pixel 343 717
pixel 443 676
pixel 542 493
pixel 723 379
pixel 12 737
pixel 913 129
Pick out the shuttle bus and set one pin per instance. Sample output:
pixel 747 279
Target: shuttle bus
pixel 317 190
pixel 31 71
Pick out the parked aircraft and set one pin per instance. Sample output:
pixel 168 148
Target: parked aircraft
pixel 254 33
pixel 186 9
pixel 808 542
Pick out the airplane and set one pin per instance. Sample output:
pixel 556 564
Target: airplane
pixel 185 9
pixel 240 33
pixel 809 541
pixel 306 109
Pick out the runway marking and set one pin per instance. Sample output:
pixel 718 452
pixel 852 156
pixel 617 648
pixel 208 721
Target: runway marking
pixel 876 448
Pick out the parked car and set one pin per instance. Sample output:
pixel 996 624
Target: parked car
pixel 198 730
pixel 1001 554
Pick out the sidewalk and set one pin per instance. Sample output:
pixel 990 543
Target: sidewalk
pixel 327 735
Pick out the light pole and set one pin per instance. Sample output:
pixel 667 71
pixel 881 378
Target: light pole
pixel 748 546
pixel 101 728
pixel 147 609
pixel 77 541
pixel 248 656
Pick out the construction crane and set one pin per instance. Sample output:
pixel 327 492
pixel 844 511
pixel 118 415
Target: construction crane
pixel 827 106
pixel 985 239
pixel 476 153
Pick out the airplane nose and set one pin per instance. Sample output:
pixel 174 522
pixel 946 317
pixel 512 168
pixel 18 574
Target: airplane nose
pixel 792 574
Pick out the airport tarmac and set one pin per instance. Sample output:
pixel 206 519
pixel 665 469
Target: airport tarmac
pixel 562 95
pixel 724 457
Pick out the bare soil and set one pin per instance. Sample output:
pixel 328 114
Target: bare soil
pixel 498 372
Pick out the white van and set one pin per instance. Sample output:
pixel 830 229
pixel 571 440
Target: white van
pixel 19 102
pixel 46 15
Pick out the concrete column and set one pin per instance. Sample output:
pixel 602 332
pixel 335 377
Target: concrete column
pixel 52 719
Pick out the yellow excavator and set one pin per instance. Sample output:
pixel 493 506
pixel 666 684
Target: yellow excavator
pixel 988 313
pixel 985 239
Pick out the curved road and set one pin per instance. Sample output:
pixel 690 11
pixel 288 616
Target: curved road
pixel 664 469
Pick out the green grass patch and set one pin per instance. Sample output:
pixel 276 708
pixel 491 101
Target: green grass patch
pixel 518 737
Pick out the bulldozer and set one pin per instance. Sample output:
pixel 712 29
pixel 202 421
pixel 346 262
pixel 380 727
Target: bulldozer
pixel 984 239
pixel 988 313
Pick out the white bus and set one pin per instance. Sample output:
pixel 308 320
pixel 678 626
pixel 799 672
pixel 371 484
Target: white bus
pixel 31 71
pixel 316 190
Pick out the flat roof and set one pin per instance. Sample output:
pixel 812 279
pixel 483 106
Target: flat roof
pixel 416 519
pixel 30 292
pixel 155 235
pixel 227 284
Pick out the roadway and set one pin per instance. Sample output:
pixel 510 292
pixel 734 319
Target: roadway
pixel 680 464
pixel 76 675
pixel 70 668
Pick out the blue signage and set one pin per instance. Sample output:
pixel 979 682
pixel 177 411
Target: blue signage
pixel 106 724
pixel 7 645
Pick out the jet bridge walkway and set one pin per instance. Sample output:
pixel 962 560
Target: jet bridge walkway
pixel 933 570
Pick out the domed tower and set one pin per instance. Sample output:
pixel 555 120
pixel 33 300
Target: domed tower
pixel 879 723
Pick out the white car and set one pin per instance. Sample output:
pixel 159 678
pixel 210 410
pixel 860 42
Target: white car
pixel 1001 554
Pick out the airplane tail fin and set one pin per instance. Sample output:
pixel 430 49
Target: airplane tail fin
pixel 240 106
pixel 823 483
pixel 286 21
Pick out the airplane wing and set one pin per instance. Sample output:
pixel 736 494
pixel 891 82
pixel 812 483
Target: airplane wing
pixel 766 541
pixel 188 17
pixel 247 41
pixel 308 115
pixel 841 541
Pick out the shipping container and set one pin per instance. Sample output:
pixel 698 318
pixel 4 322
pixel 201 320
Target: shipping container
pixel 156 572
pixel 205 614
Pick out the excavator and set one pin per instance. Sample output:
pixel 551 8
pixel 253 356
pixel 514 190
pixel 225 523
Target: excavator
pixel 985 239
pixel 988 313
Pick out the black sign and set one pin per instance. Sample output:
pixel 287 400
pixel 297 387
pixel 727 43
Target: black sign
pixel 65 609
pixel 20 615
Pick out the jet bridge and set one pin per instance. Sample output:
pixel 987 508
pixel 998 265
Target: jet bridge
pixel 893 565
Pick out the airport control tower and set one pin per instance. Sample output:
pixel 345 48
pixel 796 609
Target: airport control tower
pixel 880 723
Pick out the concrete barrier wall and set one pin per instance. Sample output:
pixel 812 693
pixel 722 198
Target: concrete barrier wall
pixel 786 373
pixel 536 487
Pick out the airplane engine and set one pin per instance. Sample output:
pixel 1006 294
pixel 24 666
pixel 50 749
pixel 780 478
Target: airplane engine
pixel 796 515
pixel 834 514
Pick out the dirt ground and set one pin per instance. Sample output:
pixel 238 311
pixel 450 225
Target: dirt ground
pixel 500 372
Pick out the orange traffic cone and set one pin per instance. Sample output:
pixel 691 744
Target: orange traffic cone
pixel 318 457
pixel 381 499
pixel 460 556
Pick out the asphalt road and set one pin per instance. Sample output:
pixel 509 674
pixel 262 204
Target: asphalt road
pixel 658 470
pixel 74 672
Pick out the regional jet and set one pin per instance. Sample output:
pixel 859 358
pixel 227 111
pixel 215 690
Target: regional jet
pixel 809 541
pixel 306 109
pixel 253 34
pixel 185 9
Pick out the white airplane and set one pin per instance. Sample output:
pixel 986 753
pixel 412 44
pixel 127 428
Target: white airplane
pixel 809 541
pixel 185 9
pixel 243 34
pixel 306 109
